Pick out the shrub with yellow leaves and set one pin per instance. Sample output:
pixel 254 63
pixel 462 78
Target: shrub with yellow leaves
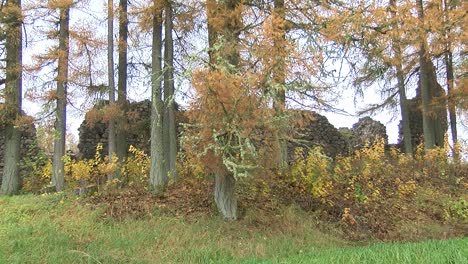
pixel 382 187
pixel 135 171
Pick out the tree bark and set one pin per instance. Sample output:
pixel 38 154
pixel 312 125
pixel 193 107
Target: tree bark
pixel 121 135
pixel 407 138
pixel 225 196
pixel 225 192
pixel 424 79
pixel 158 173
pixel 448 58
pixel 58 173
pixel 407 135
pixel 169 124
pixel 279 80
pixel 13 100
pixel 110 76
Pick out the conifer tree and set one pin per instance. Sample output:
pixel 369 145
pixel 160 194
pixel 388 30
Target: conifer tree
pixel 11 113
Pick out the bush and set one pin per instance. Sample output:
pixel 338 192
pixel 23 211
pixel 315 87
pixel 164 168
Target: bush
pixel 376 191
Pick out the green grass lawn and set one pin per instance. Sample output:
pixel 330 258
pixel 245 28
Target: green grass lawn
pixel 51 229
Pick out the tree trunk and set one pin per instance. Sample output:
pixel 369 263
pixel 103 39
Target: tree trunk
pixel 279 80
pixel 58 173
pixel 110 76
pixel 407 137
pixel 224 193
pixel 451 104
pixel 169 124
pixel 225 196
pixel 448 58
pixel 158 173
pixel 13 95
pixel 121 135
pixel 424 80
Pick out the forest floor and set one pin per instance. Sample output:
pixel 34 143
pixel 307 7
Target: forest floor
pixel 183 227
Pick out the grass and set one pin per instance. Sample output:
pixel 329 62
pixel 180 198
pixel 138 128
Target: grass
pixel 56 229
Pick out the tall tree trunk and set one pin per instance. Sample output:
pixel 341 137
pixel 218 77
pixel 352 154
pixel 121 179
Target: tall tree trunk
pixel 169 124
pixel 110 76
pixel 13 95
pixel 58 174
pixel 424 80
pixel 279 78
pixel 158 173
pixel 224 192
pixel 121 135
pixel 407 138
pixel 448 58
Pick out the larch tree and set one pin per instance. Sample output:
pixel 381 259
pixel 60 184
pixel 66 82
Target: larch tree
pixel 447 20
pixel 121 137
pixel 224 23
pixel 169 122
pixel 12 19
pixel 448 59
pixel 111 83
pixel 400 76
pixel 279 73
pixel 432 127
pixel 58 171
pixel 158 172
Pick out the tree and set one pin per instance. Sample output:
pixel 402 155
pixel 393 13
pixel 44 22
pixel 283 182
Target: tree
pixel 227 31
pixel 110 75
pixel 169 123
pixel 279 73
pixel 218 89
pixel 158 172
pixel 432 128
pixel 400 75
pixel 12 19
pixel 121 143
pixel 58 173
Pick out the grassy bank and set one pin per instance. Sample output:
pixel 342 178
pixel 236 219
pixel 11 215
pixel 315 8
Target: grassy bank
pixel 55 229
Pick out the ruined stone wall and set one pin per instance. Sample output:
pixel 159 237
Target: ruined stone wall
pixel 367 131
pixel 315 130
pixel 138 130
pixel 28 147
pixel 416 118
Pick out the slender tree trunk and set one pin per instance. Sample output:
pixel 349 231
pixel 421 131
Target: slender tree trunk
pixel 158 173
pixel 110 76
pixel 58 174
pixel 448 58
pixel 13 95
pixel 211 12
pixel 169 124
pixel 451 104
pixel 279 77
pixel 121 135
pixel 225 191
pixel 407 138
pixel 424 79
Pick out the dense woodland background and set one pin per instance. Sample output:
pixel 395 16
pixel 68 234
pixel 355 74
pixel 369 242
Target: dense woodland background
pixel 236 69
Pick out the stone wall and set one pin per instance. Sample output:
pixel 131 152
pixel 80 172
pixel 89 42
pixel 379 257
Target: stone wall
pixel 416 117
pixel 138 130
pixel 315 130
pixel 28 138
pixel 367 131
